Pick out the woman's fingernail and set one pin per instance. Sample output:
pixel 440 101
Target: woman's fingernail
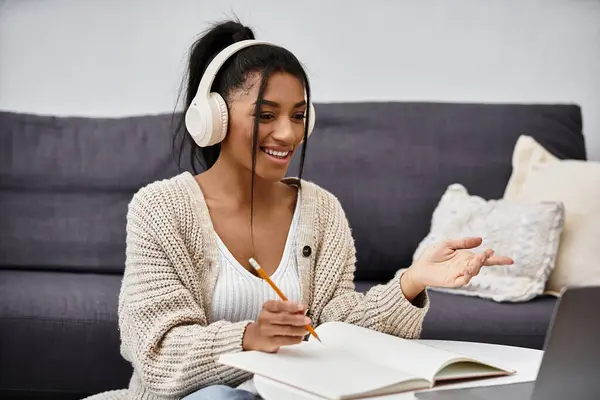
pixel 306 320
pixel 300 307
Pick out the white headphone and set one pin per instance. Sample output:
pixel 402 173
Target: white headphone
pixel 207 118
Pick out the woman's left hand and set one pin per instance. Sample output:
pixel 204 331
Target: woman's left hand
pixel 448 264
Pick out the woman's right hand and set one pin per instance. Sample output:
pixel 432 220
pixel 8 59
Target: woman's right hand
pixel 280 323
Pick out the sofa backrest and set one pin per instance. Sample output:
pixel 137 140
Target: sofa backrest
pixel 65 182
pixel 389 164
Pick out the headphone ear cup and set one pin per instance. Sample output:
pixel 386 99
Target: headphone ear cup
pixel 220 118
pixel 195 122
pixel 311 119
pixel 207 121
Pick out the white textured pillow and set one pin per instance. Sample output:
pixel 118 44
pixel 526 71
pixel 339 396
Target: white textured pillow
pixel 528 233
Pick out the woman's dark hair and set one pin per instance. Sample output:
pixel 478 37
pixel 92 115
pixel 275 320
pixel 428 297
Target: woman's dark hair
pixel 263 59
pixel 232 76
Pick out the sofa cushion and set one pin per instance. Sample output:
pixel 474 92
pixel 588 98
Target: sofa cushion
pixel 389 164
pixel 465 318
pixel 456 317
pixel 65 184
pixel 58 332
pixel 539 177
pixel 528 233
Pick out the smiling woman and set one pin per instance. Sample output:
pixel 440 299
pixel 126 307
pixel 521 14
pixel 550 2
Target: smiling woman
pixel 265 92
pixel 281 123
pixel 189 293
pixel 283 151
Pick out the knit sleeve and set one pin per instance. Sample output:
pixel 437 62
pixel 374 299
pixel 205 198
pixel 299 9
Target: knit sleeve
pixel 163 326
pixel 383 308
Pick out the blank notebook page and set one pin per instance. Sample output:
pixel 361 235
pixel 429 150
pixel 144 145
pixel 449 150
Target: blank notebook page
pixel 319 369
pixel 391 351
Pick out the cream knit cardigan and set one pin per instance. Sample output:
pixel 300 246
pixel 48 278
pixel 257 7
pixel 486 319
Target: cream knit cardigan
pixel 170 272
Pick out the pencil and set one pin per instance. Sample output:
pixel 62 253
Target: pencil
pixel 267 278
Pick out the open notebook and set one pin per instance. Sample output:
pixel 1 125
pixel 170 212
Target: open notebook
pixel 354 363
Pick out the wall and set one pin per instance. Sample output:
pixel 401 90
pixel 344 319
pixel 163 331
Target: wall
pixel 125 57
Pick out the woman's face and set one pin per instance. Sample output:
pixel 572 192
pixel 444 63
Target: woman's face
pixel 280 128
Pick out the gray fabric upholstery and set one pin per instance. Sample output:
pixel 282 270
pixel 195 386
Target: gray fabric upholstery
pixel 389 163
pixel 58 332
pixel 454 317
pixel 65 184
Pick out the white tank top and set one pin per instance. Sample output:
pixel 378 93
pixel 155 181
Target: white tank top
pixel 239 295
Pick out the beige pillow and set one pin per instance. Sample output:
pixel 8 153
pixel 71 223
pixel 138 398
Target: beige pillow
pixel 539 176
pixel 528 233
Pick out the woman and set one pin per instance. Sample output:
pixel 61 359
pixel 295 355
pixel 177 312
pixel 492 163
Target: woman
pixel 189 294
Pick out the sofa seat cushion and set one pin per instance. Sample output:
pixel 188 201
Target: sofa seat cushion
pixel 457 317
pixel 58 332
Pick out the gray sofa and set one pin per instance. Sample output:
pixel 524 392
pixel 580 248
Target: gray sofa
pixel 65 184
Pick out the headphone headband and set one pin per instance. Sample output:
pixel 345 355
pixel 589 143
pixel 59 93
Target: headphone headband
pixel 206 118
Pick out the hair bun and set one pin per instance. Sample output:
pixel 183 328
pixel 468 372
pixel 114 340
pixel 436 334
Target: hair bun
pixel 244 33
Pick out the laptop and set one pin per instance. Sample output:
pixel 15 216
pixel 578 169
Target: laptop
pixel 570 367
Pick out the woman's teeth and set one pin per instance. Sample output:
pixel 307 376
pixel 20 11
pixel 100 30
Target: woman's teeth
pixel 278 154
